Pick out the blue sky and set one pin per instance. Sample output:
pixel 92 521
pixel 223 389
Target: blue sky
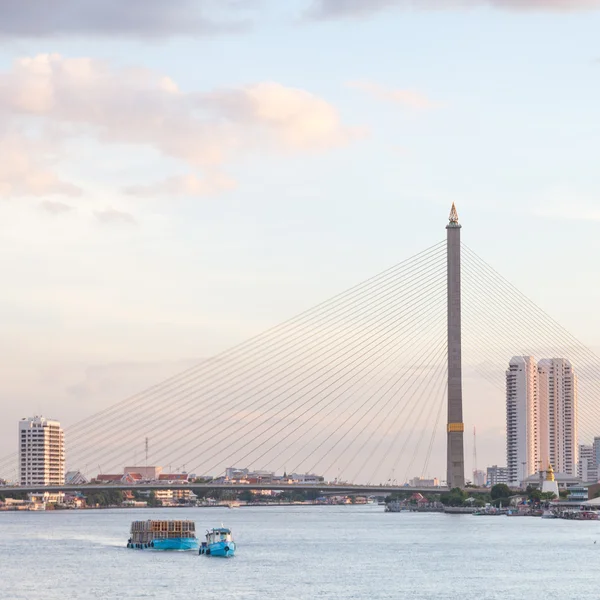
pixel 132 251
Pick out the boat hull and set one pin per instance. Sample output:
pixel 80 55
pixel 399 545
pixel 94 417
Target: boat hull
pixel 177 544
pixel 225 549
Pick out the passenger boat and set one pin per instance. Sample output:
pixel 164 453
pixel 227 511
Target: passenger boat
pixel 163 535
pixel 219 542
pixel 548 514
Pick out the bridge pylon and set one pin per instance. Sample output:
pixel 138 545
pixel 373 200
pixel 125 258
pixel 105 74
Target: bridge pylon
pixel 455 476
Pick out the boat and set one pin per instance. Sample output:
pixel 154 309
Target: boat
pixel 163 535
pixel 490 512
pixel 548 514
pixel 219 542
pixel 395 506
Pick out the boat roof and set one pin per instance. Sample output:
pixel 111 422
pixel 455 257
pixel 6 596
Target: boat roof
pixel 221 530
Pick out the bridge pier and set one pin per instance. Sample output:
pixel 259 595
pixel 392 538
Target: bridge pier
pixel 455 476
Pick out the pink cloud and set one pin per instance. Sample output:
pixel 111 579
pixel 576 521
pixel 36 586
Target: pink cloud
pixel 204 129
pixel 25 168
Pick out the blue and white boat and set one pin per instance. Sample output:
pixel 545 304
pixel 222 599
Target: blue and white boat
pixel 219 542
pixel 163 535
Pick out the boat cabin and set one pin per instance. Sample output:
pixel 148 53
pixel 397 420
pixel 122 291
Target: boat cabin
pixel 221 534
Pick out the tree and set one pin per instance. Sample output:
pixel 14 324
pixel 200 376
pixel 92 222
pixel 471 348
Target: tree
pixel 533 494
pixel 547 496
pixel 455 497
pixel 500 490
pixel 152 500
pixel 247 496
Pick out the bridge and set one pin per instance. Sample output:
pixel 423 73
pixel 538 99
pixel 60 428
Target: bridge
pixel 371 490
pixel 352 389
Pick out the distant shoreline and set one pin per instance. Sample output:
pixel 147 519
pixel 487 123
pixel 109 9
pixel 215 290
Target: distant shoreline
pixel 261 505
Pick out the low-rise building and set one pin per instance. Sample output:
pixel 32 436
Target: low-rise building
pixel 75 478
pixel 563 480
pixel 147 473
pixel 304 478
pixel 173 478
pixel 420 482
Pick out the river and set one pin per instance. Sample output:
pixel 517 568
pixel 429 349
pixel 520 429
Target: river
pixel 301 552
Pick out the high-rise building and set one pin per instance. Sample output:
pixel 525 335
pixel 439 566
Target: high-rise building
pixel 496 475
pixel 559 383
pixel 541 417
pixel 41 452
pixel 596 447
pixel 587 468
pixel 478 478
pixel 525 415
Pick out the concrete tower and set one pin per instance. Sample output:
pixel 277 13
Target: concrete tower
pixel 455 453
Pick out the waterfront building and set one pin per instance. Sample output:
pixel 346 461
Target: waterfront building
pixel 578 493
pixel 559 383
pixel 541 417
pixel 563 480
pixel 526 420
pixel 495 475
pixel 41 452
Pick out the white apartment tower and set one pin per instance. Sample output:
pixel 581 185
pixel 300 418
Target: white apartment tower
pixel 559 382
pixel 41 452
pixel 526 420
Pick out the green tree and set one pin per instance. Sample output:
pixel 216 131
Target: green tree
pixel 500 490
pixel 533 494
pixel 247 496
pixel 153 501
pixel 455 497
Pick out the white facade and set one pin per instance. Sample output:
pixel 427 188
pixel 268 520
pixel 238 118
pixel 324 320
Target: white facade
pixel 541 417
pixel 560 384
pixel 41 452
pixel 525 412
pixel 478 478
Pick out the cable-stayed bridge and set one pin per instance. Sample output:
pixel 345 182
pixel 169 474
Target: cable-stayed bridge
pixel 365 388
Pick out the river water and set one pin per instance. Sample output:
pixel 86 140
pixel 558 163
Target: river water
pixel 301 552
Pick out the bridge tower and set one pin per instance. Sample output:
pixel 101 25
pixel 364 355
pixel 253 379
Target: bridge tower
pixel 455 453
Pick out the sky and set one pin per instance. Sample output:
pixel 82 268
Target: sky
pixel 178 177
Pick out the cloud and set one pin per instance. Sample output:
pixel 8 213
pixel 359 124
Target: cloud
pixel 139 18
pixel 111 216
pixel 408 98
pixel 24 169
pixel 83 96
pixel 55 208
pixel 330 9
pixel 186 185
